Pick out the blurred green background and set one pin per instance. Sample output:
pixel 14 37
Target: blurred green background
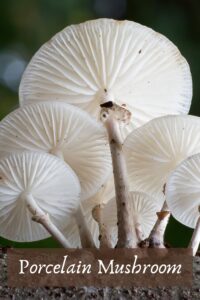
pixel 26 25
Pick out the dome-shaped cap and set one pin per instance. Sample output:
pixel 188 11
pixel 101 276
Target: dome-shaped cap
pixel 183 191
pixel 63 130
pixel 53 185
pixel 107 60
pixel 155 149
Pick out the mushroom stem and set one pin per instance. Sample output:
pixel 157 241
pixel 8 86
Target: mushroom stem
pixel 104 238
pixel 138 231
pixel 84 232
pixel 43 218
pixel 195 240
pixel 111 115
pixel 156 237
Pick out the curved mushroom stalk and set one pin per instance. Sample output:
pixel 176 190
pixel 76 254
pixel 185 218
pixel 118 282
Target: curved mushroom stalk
pixel 111 116
pixel 104 235
pixel 156 237
pixel 43 218
pixel 195 240
pixel 84 232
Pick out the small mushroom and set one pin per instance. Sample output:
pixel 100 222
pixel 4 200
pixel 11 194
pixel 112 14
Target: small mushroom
pixel 73 234
pixel 65 131
pixel 143 212
pixel 40 187
pixel 154 150
pixel 183 196
pixel 92 209
pixel 156 236
pixel 98 203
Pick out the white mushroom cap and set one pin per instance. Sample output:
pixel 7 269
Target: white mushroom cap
pixel 155 149
pixel 51 182
pixel 104 194
pixel 63 130
pixel 143 211
pixel 183 191
pixel 107 60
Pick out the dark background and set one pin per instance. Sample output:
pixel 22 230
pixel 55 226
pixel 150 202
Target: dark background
pixel 26 25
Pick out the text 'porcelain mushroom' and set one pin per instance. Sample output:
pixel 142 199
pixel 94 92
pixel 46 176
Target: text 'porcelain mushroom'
pixel 40 187
pixel 183 196
pixel 155 149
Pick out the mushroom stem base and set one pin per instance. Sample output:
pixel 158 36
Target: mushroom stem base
pixel 104 238
pixel 43 218
pixel 139 233
pixel 156 237
pixel 84 232
pixel 195 240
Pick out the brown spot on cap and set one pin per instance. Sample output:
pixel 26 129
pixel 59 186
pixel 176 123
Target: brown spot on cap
pixel 112 141
pixel 162 214
pixel 108 104
pixel 164 188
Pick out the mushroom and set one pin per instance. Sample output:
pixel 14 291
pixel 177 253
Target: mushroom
pixel 106 60
pixel 154 150
pixel 65 131
pixel 156 236
pixel 183 196
pixel 72 230
pixel 143 212
pixel 98 203
pixel 38 186
pixel 92 211
pixel 111 69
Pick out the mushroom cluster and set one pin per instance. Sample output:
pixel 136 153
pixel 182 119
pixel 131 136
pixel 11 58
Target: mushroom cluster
pixel 92 155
